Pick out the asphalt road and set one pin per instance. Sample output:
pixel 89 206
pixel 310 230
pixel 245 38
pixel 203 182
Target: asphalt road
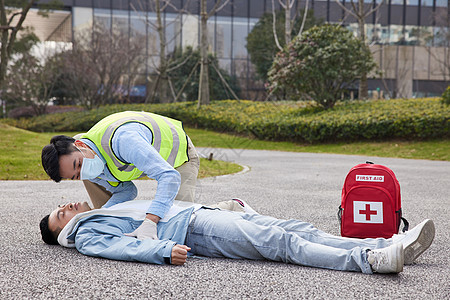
pixel 286 185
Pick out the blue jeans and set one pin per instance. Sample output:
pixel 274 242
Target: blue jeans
pixel 216 233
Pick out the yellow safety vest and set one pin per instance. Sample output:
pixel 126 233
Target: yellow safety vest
pixel 169 139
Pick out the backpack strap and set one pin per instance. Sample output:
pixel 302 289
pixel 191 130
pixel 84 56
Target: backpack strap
pixel 405 222
pixel 405 225
pixel 339 214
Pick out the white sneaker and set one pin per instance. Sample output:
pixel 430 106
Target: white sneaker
pixel 245 206
pixel 387 260
pixel 416 240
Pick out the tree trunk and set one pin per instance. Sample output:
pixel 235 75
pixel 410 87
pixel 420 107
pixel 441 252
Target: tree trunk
pixel 8 39
pixel 3 59
pixel 203 89
pixel 363 88
pixel 4 42
pixel 163 83
pixel 287 23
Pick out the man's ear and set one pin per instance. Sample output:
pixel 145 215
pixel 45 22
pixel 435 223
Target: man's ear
pixel 79 143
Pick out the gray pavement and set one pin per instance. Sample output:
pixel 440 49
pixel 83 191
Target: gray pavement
pixel 285 185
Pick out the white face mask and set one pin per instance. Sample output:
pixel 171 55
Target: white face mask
pixel 91 167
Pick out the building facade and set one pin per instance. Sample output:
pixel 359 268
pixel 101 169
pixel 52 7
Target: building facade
pixel 409 38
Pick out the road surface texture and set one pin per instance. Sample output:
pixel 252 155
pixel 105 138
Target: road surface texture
pixel 282 184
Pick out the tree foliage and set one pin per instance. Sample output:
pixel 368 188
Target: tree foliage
pixel 102 66
pixel 15 37
pixel 30 82
pixel 320 65
pixel 261 42
pixel 190 84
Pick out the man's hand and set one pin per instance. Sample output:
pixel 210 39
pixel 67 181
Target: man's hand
pixel 147 230
pixel 179 254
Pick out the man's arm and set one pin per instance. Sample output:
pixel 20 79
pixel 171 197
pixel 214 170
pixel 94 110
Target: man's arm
pixel 124 191
pixel 145 157
pixel 107 241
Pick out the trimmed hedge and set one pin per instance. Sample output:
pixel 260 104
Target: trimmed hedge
pixel 292 121
pixel 446 96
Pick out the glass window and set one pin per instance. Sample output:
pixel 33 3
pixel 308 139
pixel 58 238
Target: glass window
pixel 382 35
pixel 138 27
pixel 252 23
pixel 427 2
pixel 172 32
pixel 211 27
pixel 138 23
pixel 223 37
pixel 424 35
pixel 120 21
pixel 153 42
pixel 225 64
pixel 142 68
pixel 152 35
pixel 412 35
pixel 240 67
pixel 353 28
pixel 102 17
pixel 442 3
pixel 190 31
pixel 240 32
pixel 82 17
pixel 441 36
pixel 396 35
pixel 152 63
pixel 374 32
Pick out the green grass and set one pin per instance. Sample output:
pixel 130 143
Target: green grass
pixel 432 150
pixel 20 156
pixel 20 151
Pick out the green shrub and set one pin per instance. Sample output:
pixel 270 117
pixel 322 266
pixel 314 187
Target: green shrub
pixel 446 96
pixel 320 64
pixel 291 121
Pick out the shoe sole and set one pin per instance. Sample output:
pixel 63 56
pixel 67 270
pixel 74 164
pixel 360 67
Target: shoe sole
pixel 421 244
pixel 401 259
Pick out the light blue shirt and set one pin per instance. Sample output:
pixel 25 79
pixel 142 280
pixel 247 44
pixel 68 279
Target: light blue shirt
pixel 132 143
pixel 104 236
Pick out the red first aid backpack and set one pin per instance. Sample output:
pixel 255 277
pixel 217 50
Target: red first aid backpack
pixel 371 203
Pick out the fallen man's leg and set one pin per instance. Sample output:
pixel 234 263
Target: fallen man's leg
pixel 215 233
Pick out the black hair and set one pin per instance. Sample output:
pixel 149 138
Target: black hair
pixel 59 145
pixel 47 235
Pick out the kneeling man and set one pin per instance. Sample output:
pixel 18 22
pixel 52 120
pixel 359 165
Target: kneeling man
pixel 195 229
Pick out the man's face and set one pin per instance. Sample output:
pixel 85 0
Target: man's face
pixel 70 164
pixel 64 213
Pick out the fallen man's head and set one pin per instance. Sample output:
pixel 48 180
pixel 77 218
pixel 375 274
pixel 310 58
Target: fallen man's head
pixel 52 224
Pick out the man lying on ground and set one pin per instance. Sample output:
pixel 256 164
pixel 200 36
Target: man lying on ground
pixel 193 229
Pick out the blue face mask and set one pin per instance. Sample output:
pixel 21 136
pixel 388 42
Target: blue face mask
pixel 91 167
